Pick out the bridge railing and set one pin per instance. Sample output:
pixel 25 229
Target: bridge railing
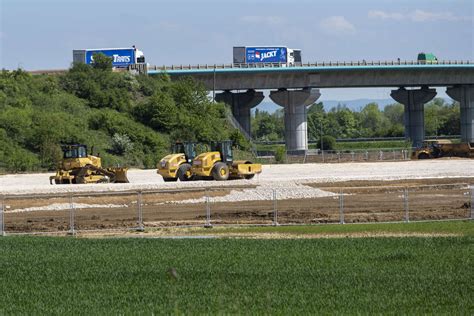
pixel 309 64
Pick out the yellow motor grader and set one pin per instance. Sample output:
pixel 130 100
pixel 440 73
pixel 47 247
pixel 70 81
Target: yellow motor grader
pixel 79 167
pixel 178 164
pixel 219 164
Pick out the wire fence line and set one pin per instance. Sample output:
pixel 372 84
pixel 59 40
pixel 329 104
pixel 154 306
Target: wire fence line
pixel 140 210
pixel 337 156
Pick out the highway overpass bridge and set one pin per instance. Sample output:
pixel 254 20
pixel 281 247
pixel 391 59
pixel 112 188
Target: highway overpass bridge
pixel 297 87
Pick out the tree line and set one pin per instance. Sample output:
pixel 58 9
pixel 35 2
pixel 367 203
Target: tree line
pixel 441 118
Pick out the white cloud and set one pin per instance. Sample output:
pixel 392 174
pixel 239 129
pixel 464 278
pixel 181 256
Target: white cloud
pixel 422 16
pixel 385 15
pixel 260 19
pixel 337 25
pixel 418 16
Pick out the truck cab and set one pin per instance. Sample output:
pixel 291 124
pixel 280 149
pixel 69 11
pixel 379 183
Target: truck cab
pixel 427 58
pixel 294 56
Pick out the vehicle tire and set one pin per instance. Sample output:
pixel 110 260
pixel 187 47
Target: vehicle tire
pixel 170 179
pixel 220 172
pixel 249 176
pixel 423 156
pixel 184 173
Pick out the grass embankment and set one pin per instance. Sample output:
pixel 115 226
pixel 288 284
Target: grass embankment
pixel 246 276
pixel 459 228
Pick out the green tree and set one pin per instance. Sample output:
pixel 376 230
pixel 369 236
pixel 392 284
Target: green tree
pixel 102 62
pixel 158 112
pixel 317 121
pixel 372 120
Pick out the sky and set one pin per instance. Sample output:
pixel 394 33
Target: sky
pixel 42 34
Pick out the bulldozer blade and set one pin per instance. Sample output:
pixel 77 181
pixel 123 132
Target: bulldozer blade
pixel 120 175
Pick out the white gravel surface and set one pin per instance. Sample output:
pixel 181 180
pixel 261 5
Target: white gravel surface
pixel 65 206
pixel 284 177
pixel 264 192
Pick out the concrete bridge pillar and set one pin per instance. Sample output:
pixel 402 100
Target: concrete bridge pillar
pixel 465 96
pixel 414 100
pixel 295 103
pixel 241 104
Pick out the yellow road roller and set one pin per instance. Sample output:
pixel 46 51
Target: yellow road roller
pixel 178 165
pixel 218 164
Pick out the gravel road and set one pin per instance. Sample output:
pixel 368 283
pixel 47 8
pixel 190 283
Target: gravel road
pixel 281 176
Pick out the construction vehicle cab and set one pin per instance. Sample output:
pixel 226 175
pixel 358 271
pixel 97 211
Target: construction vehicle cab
pixel 427 58
pixel 219 164
pixel 77 166
pixel 178 164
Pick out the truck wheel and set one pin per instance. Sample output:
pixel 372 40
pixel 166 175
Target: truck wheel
pixel 170 179
pixel 220 172
pixel 249 176
pixel 184 172
pixel 423 156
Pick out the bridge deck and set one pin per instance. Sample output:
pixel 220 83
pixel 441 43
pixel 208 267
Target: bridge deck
pixel 309 67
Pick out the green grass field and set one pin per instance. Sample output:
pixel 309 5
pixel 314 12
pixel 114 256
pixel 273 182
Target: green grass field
pixel 409 275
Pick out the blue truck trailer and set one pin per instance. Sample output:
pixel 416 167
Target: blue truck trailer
pixel 121 57
pixel 281 55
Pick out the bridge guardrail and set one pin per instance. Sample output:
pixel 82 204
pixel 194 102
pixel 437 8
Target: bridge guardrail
pixel 309 64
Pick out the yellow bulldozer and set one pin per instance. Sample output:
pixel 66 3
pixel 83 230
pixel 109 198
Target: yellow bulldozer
pixel 443 148
pixel 178 164
pixel 219 164
pixel 77 167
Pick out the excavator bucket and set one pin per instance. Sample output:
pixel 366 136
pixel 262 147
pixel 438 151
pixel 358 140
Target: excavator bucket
pixel 120 175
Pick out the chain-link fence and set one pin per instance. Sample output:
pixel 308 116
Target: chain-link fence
pixel 304 205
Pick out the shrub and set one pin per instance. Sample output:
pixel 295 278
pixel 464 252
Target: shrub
pixel 121 144
pixel 329 143
pixel 280 154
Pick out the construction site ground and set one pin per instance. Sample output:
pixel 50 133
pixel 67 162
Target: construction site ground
pixel 301 193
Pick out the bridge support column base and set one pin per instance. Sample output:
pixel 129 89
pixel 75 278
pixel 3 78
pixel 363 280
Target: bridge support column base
pixel 414 100
pixel 465 96
pixel 241 103
pixel 295 103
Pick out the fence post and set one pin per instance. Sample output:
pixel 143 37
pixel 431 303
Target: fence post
pixel 472 202
pixel 341 207
pixel 275 208
pixel 407 209
pixel 2 217
pixel 140 211
pixel 208 211
pixel 72 215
